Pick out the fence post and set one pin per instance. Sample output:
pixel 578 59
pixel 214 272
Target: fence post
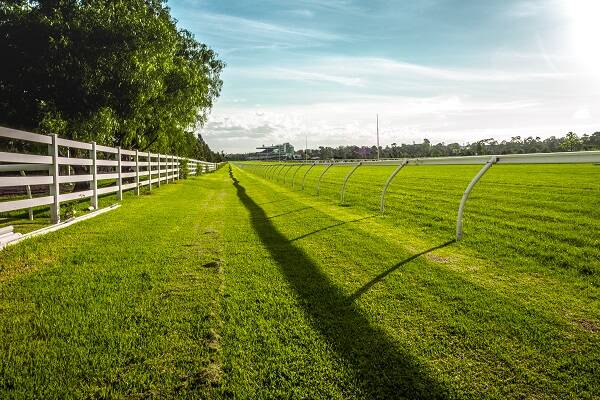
pixel 276 171
pixel 173 168
pixel 166 168
pixel 120 172
pixel 55 187
pixel 343 192
pixel 306 173
pixel 321 176
pixel 68 166
pixel 175 172
pixel 463 201
pixel 387 184
pixel 149 172
pixel 94 177
pixel 137 173
pixel 267 170
pixel 294 175
pixel 158 169
pixel 287 172
pixel 29 196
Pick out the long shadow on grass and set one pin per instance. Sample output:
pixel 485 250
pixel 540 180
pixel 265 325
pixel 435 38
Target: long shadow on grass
pixel 382 369
pixel 290 212
pixel 385 273
pixel 329 227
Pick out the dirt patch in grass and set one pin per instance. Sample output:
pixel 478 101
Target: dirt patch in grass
pixel 588 325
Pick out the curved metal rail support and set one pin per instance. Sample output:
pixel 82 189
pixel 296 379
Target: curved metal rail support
pixel 387 184
pixel 343 191
pixel 266 171
pixel 287 172
pixel 276 175
pixel 463 201
pixel 294 175
pixel 306 173
pixel 274 171
pixel 321 176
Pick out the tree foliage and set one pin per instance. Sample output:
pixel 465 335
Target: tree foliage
pixel 571 142
pixel 115 71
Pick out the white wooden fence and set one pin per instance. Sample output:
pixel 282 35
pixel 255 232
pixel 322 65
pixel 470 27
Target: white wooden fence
pixel 129 169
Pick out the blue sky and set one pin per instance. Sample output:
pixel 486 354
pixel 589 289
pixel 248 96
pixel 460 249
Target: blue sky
pixel 446 70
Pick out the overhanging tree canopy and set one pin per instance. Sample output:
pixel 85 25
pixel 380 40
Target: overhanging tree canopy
pixel 115 71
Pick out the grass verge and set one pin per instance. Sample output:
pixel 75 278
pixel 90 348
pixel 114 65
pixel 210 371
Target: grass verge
pixel 121 306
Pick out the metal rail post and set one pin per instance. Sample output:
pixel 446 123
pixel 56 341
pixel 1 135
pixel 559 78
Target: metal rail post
pixel 463 201
pixel 306 173
pixel 343 191
pixel 267 170
pixel 274 171
pixel 321 176
pixel 286 172
pixel 294 175
pixel 277 171
pixel 387 184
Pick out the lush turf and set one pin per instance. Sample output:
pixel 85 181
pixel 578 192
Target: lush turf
pixel 121 306
pixel 532 215
pixel 314 300
pixel 402 309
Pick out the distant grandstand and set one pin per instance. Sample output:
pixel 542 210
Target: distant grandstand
pixel 283 151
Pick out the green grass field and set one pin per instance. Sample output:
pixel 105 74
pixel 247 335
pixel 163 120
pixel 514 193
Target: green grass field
pixel 233 286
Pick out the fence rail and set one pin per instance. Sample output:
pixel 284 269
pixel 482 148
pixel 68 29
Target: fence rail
pixel 270 170
pixel 129 169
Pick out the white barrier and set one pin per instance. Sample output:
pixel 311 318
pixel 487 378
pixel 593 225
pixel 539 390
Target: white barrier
pixel 145 168
pixel 268 170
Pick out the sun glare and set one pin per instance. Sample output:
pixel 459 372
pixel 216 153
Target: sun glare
pixel 585 32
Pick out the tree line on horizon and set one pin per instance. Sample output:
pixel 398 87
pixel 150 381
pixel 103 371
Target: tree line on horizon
pixel 120 73
pixel 516 145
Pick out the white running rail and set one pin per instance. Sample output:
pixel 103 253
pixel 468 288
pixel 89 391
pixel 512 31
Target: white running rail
pixel 578 157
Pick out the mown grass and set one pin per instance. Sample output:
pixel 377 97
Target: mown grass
pixel 314 301
pixel 536 215
pixel 125 305
pixel 482 320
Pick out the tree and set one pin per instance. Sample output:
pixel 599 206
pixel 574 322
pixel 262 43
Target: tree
pixel 570 142
pixel 118 72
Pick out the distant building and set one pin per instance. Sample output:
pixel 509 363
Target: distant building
pixel 283 151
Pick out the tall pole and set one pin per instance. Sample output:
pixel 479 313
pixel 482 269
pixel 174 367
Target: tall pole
pixel 305 147
pixel 377 137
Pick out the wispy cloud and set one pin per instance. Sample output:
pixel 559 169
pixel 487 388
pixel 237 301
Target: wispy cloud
pixel 302 13
pixel 303 75
pixel 372 73
pixel 247 30
pixel 330 5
